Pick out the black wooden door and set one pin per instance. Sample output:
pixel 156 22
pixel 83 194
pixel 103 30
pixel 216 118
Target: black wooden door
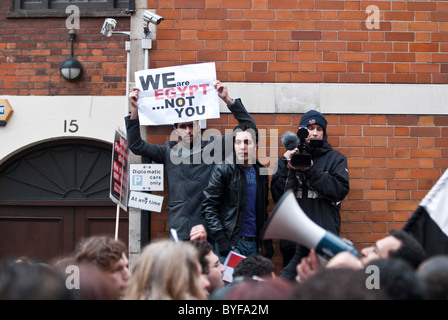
pixel 53 195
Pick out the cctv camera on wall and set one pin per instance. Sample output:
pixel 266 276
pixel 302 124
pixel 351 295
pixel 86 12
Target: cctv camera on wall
pixel 151 17
pixel 108 27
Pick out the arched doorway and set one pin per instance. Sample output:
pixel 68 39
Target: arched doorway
pixel 53 195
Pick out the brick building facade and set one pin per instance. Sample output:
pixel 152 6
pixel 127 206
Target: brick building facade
pixel 377 69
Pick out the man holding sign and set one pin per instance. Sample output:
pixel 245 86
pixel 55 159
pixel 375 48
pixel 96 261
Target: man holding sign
pixel 188 162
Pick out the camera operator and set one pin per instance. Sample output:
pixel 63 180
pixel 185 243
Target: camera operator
pixel 320 183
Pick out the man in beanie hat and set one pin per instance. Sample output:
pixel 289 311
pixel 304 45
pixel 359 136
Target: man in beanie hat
pixel 319 188
pixel 313 117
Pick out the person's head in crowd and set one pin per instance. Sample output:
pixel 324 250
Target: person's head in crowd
pixel 254 266
pixel 396 279
pixel 167 270
pixel 109 255
pixel 87 280
pixel 433 274
pixel 23 259
pixel 399 244
pixel 32 281
pixel 335 284
pixel 62 263
pixel 211 265
pixel 94 284
pixel 270 289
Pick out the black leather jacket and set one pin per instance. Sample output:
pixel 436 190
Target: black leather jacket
pixel 225 203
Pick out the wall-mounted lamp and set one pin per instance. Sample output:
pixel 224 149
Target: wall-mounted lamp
pixel 71 69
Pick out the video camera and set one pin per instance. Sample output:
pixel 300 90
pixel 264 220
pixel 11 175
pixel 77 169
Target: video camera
pixel 302 158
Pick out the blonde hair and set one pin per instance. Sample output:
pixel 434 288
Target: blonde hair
pixel 166 270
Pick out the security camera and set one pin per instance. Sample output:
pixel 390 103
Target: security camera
pixel 108 27
pixel 151 17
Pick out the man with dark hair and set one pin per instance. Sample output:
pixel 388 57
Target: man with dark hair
pixel 254 266
pixel 188 162
pixel 410 250
pixel 211 266
pixel 398 244
pixel 236 198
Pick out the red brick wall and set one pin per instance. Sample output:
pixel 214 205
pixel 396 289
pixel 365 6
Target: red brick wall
pixel 306 40
pixel 250 41
pixel 393 159
pixel 393 162
pixel 32 50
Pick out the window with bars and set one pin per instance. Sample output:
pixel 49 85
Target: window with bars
pixel 57 8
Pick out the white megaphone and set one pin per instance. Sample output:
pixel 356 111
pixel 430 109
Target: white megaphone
pixel 289 222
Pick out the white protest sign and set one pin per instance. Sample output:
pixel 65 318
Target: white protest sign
pixel 177 94
pixel 230 263
pixel 174 235
pixel 146 177
pixel 145 201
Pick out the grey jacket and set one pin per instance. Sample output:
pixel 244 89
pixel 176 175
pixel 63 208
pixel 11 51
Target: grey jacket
pixel 187 171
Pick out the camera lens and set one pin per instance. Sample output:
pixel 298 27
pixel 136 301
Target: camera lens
pixel 302 133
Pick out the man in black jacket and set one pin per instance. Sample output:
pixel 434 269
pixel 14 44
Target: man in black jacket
pixel 319 188
pixel 188 163
pixel 236 198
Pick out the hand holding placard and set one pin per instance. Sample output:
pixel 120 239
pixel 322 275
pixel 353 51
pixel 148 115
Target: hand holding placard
pixel 177 94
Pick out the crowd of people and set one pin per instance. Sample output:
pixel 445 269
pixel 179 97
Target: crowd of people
pixel 395 268
pixel 217 207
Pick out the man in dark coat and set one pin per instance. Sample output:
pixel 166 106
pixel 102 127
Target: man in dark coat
pixel 236 198
pixel 319 188
pixel 188 163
